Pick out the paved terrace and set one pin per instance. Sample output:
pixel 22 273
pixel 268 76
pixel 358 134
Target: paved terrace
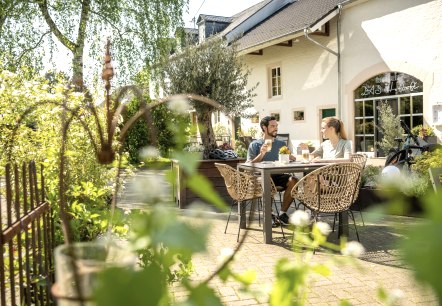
pixel 380 266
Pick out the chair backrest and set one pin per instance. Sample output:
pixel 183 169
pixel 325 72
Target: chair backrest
pixel 360 159
pixel 285 138
pixel 329 189
pixel 240 186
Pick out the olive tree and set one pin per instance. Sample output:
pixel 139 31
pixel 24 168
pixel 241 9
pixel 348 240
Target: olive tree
pixel 212 70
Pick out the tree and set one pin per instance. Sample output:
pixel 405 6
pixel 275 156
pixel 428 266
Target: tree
pixel 390 127
pixel 137 28
pixel 213 70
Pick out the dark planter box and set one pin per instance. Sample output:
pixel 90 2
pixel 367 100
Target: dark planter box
pixel 183 196
pixel 370 197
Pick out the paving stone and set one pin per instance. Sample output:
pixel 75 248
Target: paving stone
pixel 358 282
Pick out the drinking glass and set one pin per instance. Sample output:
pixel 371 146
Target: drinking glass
pixel 305 156
pixel 269 142
pixel 90 259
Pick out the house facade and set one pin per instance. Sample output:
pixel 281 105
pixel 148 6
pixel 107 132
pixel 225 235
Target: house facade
pixel 319 58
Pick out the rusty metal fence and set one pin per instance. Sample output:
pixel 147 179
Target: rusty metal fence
pixel 27 238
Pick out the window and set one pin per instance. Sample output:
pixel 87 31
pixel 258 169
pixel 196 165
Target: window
pixel 217 117
pixel 275 82
pixel 298 115
pixel 276 115
pixel 401 91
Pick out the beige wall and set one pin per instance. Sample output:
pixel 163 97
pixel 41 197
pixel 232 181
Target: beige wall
pixel 376 36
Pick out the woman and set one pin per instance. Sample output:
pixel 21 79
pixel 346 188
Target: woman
pixel 336 148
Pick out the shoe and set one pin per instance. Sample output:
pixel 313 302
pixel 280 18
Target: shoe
pixel 284 219
pixel 275 221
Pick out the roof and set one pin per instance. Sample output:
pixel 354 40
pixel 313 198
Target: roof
pixel 213 18
pixel 190 31
pixel 291 19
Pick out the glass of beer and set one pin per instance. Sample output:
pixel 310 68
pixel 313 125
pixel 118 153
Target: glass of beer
pixel 269 142
pixel 305 156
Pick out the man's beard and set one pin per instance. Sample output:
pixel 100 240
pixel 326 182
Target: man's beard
pixel 272 135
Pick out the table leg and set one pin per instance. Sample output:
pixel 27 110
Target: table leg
pixel 242 215
pixel 343 224
pixel 267 207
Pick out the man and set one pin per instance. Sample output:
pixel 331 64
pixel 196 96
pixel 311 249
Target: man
pixel 259 151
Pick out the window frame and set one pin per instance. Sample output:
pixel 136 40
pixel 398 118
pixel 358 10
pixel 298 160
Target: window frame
pixel 275 82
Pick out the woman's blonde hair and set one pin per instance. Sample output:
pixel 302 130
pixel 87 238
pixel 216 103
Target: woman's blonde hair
pixel 337 124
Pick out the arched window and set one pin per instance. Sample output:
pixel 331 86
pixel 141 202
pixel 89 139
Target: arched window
pixel 403 92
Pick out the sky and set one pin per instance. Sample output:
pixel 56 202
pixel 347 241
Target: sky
pixel 226 8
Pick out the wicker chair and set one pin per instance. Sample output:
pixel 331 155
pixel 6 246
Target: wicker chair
pixel 361 160
pixel 330 189
pixel 243 188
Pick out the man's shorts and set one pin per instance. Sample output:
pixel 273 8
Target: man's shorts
pixel 281 179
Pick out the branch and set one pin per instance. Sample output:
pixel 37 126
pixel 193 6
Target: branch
pixel 43 6
pixel 108 21
pixel 31 48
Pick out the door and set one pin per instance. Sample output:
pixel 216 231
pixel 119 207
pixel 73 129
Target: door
pixel 325 112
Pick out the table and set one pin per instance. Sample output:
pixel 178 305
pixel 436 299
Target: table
pixel 268 168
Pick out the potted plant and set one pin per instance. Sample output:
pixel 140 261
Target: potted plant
pixel 284 155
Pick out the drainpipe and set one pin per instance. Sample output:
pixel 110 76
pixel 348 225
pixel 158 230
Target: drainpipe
pixel 307 31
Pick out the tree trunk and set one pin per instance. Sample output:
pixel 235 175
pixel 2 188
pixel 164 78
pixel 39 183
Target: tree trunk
pixel 77 69
pixel 206 132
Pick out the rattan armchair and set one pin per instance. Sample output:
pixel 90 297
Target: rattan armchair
pixel 330 189
pixel 361 160
pixel 243 188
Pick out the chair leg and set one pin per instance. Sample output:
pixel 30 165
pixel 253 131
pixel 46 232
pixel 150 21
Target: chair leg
pixel 362 218
pixel 242 209
pixel 334 222
pixel 354 223
pixel 277 213
pixel 230 213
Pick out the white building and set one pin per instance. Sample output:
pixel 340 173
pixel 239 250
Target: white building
pixel 316 58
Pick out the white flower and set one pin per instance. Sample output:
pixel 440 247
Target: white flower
pixel 324 228
pixel 300 218
pixel 149 152
pixel 395 297
pixel 180 106
pixel 353 248
pixel 224 254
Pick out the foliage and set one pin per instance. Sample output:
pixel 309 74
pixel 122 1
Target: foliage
pixel 426 161
pixel 138 30
pixel 284 150
pixel 212 70
pixel 423 246
pixel 417 130
pixel 240 149
pixel 221 130
pixel 370 176
pixel 252 131
pixel 138 136
pixel 38 137
pixel 390 127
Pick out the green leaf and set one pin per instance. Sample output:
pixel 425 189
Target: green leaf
pixel 202 295
pixel 117 286
pixel 247 278
pixel 201 186
pixel 188 161
pixel 322 270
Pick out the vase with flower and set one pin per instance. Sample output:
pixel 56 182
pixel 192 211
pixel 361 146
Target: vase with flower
pixel 284 155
